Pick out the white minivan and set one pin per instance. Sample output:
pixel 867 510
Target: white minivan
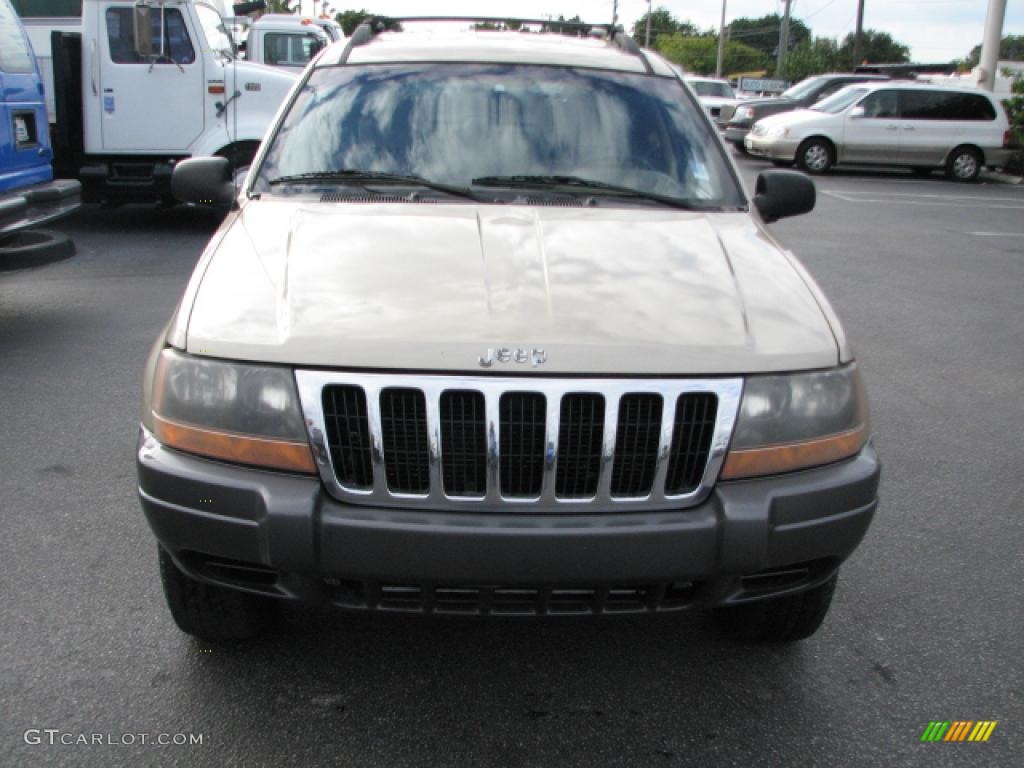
pixel 924 127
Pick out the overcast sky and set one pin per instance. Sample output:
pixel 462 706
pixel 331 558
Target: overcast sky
pixel 935 30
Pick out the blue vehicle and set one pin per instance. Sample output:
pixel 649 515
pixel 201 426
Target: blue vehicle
pixel 29 195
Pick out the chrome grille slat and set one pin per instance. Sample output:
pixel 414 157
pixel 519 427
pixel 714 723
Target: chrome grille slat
pixel 684 463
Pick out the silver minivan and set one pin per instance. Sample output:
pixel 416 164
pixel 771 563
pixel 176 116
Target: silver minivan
pixel 924 127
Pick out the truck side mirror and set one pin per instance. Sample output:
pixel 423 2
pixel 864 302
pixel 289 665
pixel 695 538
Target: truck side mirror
pixel 204 181
pixel 143 31
pixel 779 194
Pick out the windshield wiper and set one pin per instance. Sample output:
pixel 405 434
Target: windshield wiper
pixel 378 177
pixel 578 182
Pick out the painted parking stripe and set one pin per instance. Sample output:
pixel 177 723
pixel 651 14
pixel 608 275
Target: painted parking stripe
pixel 981 203
pixel 997 234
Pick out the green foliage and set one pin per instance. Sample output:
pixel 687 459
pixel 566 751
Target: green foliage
pixel 1015 111
pixel 282 6
pixel 1011 48
pixel 349 20
pixel 812 57
pixel 876 48
pixel 700 54
pixel 763 33
pixel 662 23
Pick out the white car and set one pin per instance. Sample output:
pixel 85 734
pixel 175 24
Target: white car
pixel 714 95
pixel 924 127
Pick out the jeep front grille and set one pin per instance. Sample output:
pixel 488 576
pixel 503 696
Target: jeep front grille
pixel 518 444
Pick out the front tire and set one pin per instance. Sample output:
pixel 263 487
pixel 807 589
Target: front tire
pixel 780 620
pixel 816 156
pixel 216 614
pixel 964 164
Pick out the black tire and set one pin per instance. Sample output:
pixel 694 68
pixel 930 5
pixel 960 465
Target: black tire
pixel 816 156
pixel 212 613
pixel 781 620
pixel 34 248
pixel 964 164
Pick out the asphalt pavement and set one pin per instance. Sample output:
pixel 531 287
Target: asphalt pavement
pixel 927 623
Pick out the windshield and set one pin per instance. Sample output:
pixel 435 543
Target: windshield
pixel 802 88
pixel 709 88
pixel 213 29
pixel 453 123
pixel 839 101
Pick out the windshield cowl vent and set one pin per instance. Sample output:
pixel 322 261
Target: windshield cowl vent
pixel 336 197
pixel 562 202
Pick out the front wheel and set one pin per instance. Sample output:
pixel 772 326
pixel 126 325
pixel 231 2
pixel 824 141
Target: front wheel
pixel 964 164
pixel 780 620
pixel 815 156
pixel 212 613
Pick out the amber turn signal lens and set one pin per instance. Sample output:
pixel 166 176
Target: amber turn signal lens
pixel 284 455
pixel 776 459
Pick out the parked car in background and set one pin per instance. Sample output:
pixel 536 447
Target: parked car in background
pixel 803 94
pixel 714 96
pixel 921 126
pixel 29 195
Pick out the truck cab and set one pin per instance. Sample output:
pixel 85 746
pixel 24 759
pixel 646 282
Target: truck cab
pixel 144 85
pixel 28 193
pixel 284 40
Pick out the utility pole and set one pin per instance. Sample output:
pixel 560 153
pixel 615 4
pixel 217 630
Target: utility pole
pixel 615 12
pixel 990 44
pixel 647 36
pixel 783 40
pixel 858 35
pixel 721 43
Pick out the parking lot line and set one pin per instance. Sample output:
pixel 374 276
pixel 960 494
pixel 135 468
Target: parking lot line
pixel 950 201
pixel 997 234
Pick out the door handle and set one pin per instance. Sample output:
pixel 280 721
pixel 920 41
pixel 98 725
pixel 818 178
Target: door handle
pixel 908 128
pixel 892 127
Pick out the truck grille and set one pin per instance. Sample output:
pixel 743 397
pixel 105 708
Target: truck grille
pixel 518 445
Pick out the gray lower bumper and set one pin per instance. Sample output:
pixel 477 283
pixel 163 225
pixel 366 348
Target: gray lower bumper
pixel 290 525
pixel 37 204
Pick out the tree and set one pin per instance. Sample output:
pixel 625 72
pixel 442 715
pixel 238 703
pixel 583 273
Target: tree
pixel 876 47
pixel 763 33
pixel 1011 48
pixel 282 6
pixel 662 23
pixel 700 54
pixel 349 20
pixel 812 57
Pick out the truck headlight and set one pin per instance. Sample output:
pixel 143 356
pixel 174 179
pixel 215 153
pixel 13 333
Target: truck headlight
pixel 796 421
pixel 248 414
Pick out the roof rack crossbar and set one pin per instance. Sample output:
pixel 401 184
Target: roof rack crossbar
pixel 374 25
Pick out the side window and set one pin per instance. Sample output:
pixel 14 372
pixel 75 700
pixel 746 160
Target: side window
pixel 882 105
pixel 971 106
pixel 121 37
pixel 936 105
pixel 829 89
pixel 294 50
pixel 15 55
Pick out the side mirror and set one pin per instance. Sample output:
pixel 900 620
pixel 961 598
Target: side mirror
pixel 143 31
pixel 779 194
pixel 203 180
pixel 857 111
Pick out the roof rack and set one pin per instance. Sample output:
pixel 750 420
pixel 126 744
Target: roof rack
pixel 374 25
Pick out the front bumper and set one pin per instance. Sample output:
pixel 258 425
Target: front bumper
pixel 773 148
pixel 36 204
pixel 283 535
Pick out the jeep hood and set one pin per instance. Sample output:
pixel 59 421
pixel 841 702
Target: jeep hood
pixel 641 291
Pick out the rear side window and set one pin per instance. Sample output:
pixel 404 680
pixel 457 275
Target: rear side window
pixel 121 36
pixel 15 55
pixel 952 105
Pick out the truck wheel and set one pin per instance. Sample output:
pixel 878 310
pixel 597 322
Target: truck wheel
pixel 964 164
pixel 34 248
pixel 782 620
pixel 212 613
pixel 815 156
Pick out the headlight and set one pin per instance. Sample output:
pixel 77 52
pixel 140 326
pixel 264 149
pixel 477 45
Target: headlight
pixel 744 113
pixel 797 421
pixel 248 414
pixel 778 132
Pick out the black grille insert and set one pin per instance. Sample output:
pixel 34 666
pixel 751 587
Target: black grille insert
pixel 636 445
pixel 403 422
pixel 580 431
pixel 691 441
pixel 463 443
pixel 523 417
pixel 348 435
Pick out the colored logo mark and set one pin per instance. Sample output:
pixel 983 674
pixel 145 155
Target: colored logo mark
pixel 958 730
